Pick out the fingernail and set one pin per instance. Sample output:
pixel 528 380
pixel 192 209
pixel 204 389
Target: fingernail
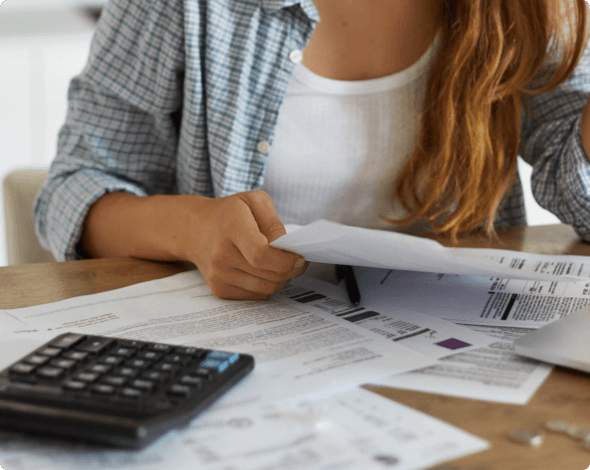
pixel 299 263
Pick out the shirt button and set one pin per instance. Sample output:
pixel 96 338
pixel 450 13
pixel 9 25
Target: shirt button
pixel 263 146
pixel 296 56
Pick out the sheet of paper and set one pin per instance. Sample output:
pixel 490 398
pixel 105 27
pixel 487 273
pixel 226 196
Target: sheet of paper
pixel 474 299
pixel 493 373
pixel 352 430
pixel 299 350
pixel 490 374
pixel 428 335
pixel 10 323
pixel 330 242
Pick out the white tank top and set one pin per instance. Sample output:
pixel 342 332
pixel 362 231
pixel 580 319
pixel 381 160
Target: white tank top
pixel 338 145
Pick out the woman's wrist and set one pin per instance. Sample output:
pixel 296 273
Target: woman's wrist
pixel 180 218
pixel 152 227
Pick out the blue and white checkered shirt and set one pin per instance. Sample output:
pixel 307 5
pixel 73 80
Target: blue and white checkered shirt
pixel 182 97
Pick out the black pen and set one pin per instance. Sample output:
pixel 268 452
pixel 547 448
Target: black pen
pixel 352 288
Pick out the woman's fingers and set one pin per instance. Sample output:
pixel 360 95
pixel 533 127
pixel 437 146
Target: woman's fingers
pixel 265 214
pixel 230 282
pixel 259 223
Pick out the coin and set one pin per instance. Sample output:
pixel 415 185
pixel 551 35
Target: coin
pixel 526 436
pixel 578 432
pixel 558 425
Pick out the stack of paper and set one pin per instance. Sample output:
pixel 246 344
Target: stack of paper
pixel 499 293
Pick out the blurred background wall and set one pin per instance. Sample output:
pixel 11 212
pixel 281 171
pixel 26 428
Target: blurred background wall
pixel 43 44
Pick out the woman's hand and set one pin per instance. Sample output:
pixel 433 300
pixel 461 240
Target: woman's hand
pixel 227 238
pixel 231 247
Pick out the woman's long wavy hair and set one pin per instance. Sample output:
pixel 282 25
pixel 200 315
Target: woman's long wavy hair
pixel 465 158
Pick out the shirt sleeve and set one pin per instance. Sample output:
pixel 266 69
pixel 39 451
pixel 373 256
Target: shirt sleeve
pixel 551 143
pixel 121 129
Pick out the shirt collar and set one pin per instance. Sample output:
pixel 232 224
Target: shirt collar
pixel 306 5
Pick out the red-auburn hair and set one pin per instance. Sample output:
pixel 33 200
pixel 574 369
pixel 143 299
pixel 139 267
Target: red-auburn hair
pixel 465 159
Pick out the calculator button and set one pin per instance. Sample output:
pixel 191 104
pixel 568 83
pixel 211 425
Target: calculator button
pixel 185 350
pixel 193 381
pixel 111 360
pixel 166 367
pixel 233 358
pixel 49 351
pixel 50 372
pixel 95 345
pixel 127 352
pixel 143 385
pixel 155 376
pixel 194 352
pixel 74 385
pixel 103 389
pixel 127 343
pixel 114 380
pixel 211 363
pixel 67 341
pixel 150 355
pixel 99 368
pixel 160 347
pixel 87 376
pixel 223 356
pixel 139 363
pixel 22 368
pixel 75 355
pixel 177 359
pixel 63 363
pixel 37 359
pixel 128 372
pixel 131 393
pixel 215 364
pixel 181 390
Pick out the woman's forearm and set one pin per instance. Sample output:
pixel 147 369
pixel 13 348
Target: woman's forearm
pixel 122 224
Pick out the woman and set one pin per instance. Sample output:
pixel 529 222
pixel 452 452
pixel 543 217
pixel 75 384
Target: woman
pixel 186 109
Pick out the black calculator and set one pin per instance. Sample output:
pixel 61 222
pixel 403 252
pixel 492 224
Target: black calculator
pixel 113 391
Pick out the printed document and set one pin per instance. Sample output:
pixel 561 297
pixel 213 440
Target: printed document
pixel 493 374
pixel 330 242
pixel 474 299
pixel 356 429
pixel 10 323
pixel 481 367
pixel 500 308
pixel 300 350
pixel 426 334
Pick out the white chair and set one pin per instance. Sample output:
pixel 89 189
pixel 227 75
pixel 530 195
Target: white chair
pixel 20 188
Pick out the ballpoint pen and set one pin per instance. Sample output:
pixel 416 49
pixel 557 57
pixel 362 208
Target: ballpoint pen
pixel 347 273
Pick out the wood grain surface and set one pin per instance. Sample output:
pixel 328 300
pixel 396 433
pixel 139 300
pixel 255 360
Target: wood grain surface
pixel 564 395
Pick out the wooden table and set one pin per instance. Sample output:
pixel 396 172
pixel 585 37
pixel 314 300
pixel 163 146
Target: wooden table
pixel 564 395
